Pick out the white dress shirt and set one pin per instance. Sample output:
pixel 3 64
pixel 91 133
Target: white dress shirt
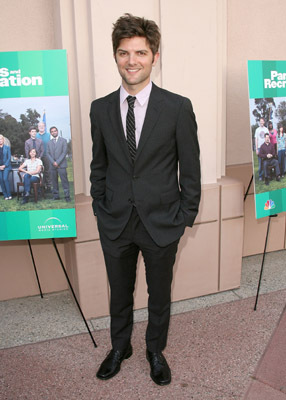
pixel 140 108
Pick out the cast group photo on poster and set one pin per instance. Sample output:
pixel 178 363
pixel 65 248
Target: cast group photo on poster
pixel 269 143
pixel 35 157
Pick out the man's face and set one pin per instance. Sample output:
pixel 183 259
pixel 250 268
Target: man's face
pixel 33 133
pixel 1 140
pixel 54 132
pixel 135 60
pixel 261 122
pixel 267 139
pixel 41 127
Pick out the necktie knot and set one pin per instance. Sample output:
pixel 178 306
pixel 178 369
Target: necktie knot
pixel 131 101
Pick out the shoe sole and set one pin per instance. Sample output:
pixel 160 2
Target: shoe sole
pixel 160 383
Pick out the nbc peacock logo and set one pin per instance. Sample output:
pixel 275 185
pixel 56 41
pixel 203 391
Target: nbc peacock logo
pixel 269 205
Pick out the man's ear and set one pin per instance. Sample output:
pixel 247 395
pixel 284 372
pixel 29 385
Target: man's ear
pixel 114 56
pixel 155 58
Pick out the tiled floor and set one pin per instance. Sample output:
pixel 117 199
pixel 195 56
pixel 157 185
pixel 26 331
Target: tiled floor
pixel 269 381
pixel 219 348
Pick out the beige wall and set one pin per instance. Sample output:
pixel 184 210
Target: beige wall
pixel 84 27
pixel 204 53
pixel 26 25
pixel 193 63
pixel 255 31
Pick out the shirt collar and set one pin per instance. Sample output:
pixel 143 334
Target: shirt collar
pixel 141 97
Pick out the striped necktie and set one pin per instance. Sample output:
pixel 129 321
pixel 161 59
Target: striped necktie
pixel 130 127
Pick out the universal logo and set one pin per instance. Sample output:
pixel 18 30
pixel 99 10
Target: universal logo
pixel 53 224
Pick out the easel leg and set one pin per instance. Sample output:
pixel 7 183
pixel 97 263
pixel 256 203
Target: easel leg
pixel 73 293
pixel 35 269
pixel 250 182
pixel 262 264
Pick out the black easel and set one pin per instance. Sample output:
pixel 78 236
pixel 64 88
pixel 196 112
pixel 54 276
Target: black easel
pixel 265 246
pixel 262 264
pixel 70 285
pixel 35 269
pixel 71 288
pixel 250 182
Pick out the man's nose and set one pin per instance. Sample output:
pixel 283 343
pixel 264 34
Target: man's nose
pixel 132 59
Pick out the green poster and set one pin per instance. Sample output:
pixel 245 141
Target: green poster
pixel 36 163
pixel 267 106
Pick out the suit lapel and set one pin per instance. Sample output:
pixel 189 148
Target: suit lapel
pixel 115 118
pixel 154 108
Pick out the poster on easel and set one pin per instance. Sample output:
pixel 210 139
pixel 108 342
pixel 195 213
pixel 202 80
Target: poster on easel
pixel 267 108
pixel 36 164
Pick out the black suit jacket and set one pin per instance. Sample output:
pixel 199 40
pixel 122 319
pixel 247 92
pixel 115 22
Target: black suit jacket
pixel 167 198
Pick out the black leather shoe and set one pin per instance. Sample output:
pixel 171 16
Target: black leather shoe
pixel 160 371
pixel 111 365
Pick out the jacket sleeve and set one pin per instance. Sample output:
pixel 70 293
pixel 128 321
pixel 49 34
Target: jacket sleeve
pixel 189 162
pixel 98 164
pixel 64 150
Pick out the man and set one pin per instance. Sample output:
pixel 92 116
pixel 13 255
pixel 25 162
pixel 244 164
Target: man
pixel 259 140
pixel 266 154
pixel 57 149
pixel 140 133
pixel 34 143
pixel 45 137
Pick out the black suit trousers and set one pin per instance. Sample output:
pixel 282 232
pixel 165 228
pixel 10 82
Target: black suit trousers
pixel 121 260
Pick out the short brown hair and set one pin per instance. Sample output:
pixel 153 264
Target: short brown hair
pixel 129 26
